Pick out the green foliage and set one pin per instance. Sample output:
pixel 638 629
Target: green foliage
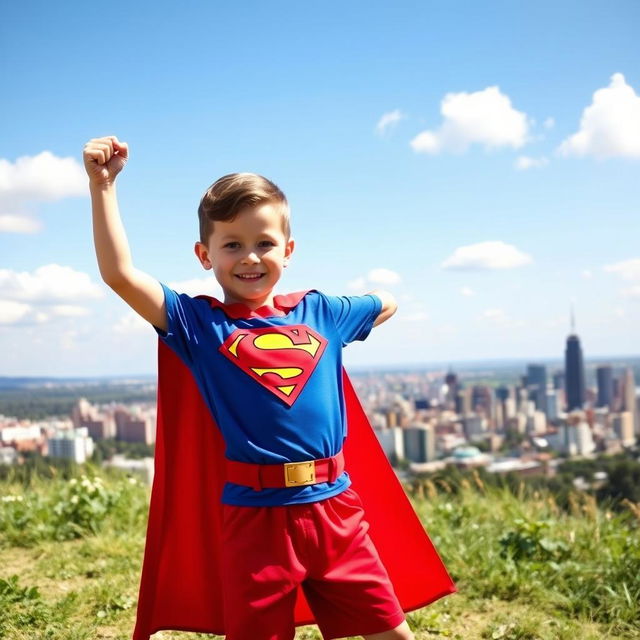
pixel 525 568
pixel 66 509
pixel 527 541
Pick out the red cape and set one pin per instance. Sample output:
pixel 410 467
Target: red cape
pixel 180 587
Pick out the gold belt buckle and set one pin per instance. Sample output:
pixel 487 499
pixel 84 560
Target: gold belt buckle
pixel 299 473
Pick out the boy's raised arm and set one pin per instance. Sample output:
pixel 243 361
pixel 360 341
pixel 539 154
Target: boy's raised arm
pixel 104 158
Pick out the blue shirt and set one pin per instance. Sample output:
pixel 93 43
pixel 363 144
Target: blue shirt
pixel 273 384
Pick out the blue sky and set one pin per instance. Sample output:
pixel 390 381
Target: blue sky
pixel 479 160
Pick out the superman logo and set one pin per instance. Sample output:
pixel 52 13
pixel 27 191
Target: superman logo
pixel 281 359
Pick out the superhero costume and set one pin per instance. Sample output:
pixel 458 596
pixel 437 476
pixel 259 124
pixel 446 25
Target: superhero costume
pixel 180 586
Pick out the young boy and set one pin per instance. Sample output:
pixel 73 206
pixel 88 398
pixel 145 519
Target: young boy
pixel 268 369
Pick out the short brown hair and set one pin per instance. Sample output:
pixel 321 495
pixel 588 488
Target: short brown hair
pixel 228 195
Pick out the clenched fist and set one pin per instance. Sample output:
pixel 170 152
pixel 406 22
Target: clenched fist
pixel 104 158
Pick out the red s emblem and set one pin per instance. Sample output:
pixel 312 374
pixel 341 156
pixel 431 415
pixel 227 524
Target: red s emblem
pixel 281 359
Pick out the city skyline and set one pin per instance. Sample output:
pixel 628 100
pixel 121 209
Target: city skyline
pixel 420 152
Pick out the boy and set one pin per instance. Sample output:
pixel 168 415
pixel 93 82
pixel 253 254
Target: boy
pixel 269 371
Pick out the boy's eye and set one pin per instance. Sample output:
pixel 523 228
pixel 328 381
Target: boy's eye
pixel 267 243
pixel 231 245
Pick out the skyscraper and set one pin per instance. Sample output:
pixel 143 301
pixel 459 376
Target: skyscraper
pixel 605 387
pixel 537 385
pixel 574 373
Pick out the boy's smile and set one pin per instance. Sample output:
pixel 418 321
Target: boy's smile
pixel 247 255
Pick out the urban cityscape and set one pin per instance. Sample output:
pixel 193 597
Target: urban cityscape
pixel 424 420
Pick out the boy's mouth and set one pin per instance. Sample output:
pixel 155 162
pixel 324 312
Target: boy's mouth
pixel 249 276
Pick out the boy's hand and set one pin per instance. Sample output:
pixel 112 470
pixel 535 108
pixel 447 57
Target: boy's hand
pixel 104 158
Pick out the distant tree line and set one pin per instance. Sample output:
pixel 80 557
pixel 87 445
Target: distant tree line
pixel 623 480
pixel 41 403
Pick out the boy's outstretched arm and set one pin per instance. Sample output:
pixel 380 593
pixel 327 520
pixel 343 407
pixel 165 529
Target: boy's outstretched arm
pixel 389 306
pixel 104 158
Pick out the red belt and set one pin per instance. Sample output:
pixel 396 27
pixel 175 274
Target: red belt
pixel 289 474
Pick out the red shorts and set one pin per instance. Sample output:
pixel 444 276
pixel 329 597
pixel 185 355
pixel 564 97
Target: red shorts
pixel 322 546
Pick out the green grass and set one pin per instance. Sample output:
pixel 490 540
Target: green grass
pixel 71 554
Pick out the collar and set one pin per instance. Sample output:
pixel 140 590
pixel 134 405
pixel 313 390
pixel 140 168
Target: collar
pixel 282 304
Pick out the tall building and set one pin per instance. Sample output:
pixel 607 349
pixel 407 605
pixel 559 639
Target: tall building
pixel 537 385
pixel 574 373
pixel 604 376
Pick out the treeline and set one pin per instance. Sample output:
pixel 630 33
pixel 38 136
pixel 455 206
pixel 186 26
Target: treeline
pixel 622 483
pixel 41 403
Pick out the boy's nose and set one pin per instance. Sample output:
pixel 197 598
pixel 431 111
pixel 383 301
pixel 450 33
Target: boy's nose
pixel 251 258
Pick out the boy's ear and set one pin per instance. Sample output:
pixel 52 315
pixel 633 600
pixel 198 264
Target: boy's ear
pixel 202 253
pixel 288 250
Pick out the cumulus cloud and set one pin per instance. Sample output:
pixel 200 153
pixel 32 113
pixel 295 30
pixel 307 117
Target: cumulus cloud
pixel 49 283
pixel 12 223
pixel 610 125
pixel 383 276
pixel 375 277
pixel 549 123
pixel 40 178
pixel 389 121
pixel 627 269
pixel 467 292
pixel 131 322
pixel 487 255
pixel 484 117
pixel 13 312
pixel 526 162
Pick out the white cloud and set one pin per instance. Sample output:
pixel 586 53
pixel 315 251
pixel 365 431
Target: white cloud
pixel 69 310
pixel 466 291
pixel 13 312
pixel 549 123
pixel 12 223
pixel 383 276
pixel 587 274
pixel 627 269
pixel 39 178
pixel 610 125
pixel 198 286
pixel 487 255
pixel 377 276
pixel 132 322
pixel 388 121
pixel 42 177
pixel 484 117
pixel 51 282
pixel 526 162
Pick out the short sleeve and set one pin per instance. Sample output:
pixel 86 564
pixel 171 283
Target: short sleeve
pixel 182 324
pixel 354 315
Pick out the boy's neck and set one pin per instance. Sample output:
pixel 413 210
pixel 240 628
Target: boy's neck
pixel 267 301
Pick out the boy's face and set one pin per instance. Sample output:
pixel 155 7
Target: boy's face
pixel 247 255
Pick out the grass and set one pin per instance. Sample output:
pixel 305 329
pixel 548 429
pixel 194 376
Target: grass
pixel 525 569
